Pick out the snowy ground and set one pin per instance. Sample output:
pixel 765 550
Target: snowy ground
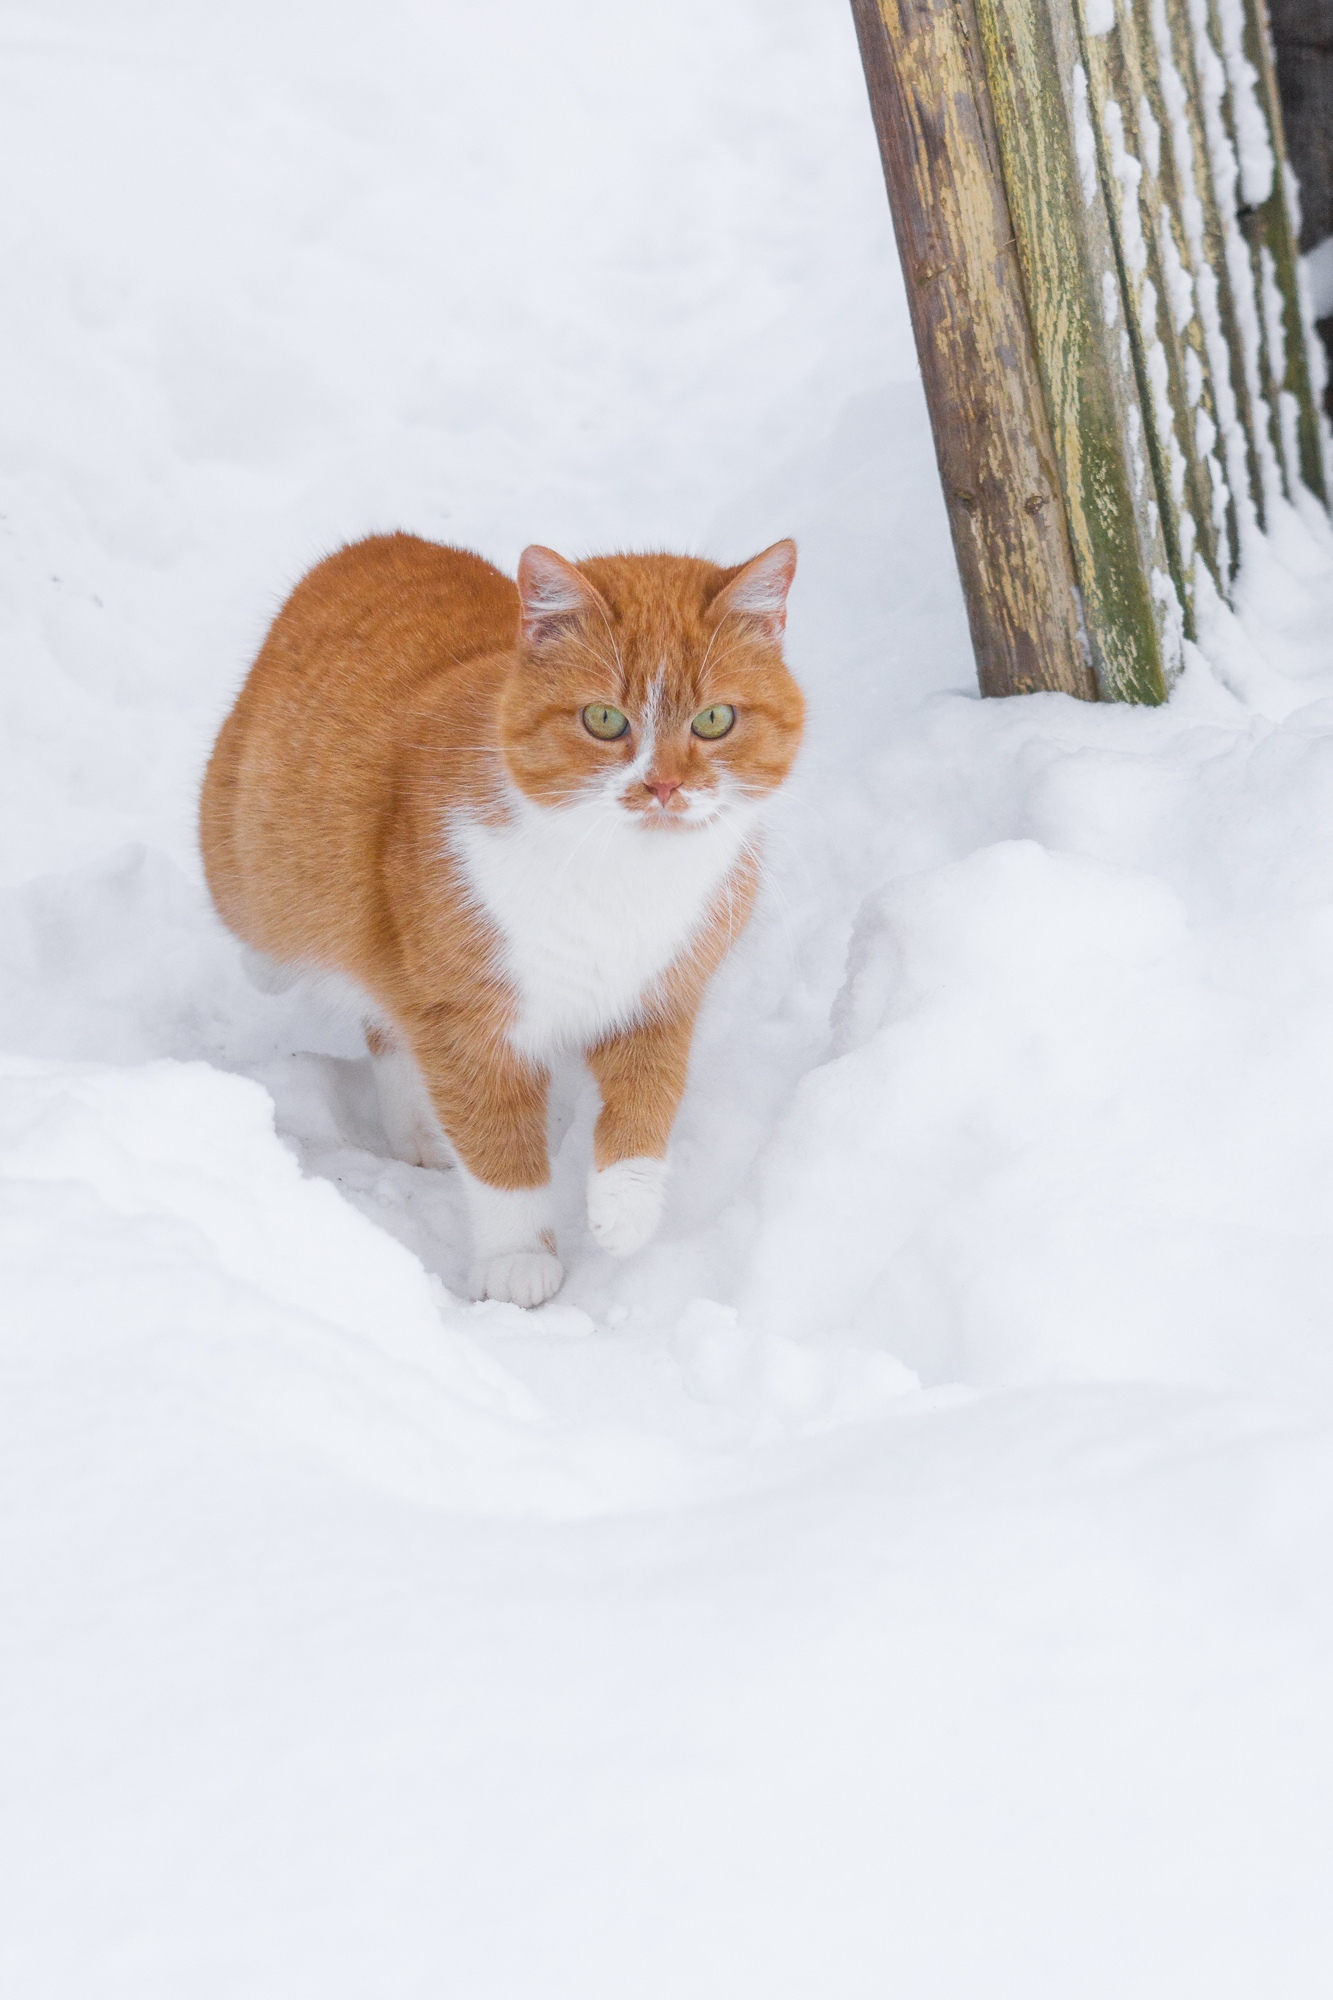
pixel 914 1574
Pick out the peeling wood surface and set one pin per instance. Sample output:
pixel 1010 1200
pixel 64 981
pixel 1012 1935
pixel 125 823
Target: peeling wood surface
pixel 998 465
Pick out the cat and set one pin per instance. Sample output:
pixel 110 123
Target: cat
pixel 522 819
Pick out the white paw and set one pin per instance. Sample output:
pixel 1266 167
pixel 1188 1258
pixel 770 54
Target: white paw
pixel 517 1277
pixel 625 1203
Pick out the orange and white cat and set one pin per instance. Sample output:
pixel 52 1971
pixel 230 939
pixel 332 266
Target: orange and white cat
pixel 522 820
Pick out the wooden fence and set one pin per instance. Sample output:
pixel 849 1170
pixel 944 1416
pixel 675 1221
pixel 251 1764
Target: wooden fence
pixel 1095 220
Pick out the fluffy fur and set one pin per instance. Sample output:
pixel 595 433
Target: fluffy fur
pixel 406 794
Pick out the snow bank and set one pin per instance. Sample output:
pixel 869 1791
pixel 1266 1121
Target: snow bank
pixel 1058 1135
pixel 159 1236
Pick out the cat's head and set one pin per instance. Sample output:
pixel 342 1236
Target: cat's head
pixel 653 683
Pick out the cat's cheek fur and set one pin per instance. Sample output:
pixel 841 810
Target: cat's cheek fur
pixel 513 1243
pixel 625 1204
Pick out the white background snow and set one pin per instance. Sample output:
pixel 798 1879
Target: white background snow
pixel 914 1574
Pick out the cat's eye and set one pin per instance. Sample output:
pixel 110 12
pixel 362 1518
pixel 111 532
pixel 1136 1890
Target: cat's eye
pixel 604 722
pixel 710 723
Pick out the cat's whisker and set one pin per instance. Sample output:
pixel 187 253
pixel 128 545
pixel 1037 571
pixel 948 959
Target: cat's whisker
pixel 732 887
pixel 581 649
pixel 603 821
pixel 772 888
pixel 794 799
pixel 620 665
pixel 712 641
pixel 722 658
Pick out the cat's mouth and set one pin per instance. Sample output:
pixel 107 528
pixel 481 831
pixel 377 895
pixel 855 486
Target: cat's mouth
pixel 676 814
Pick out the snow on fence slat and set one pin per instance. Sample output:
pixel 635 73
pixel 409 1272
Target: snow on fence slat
pixel 1136 148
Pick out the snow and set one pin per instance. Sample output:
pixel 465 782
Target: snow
pixel 1308 279
pixel 1127 170
pixel 1085 143
pixel 1179 283
pixel 1254 148
pixel 912 1572
pixel 1318 267
pixel 1176 99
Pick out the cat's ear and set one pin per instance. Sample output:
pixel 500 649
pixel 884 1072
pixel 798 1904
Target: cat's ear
pixel 550 592
pixel 759 588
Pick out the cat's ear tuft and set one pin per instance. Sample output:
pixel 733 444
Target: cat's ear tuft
pixel 550 591
pixel 759 588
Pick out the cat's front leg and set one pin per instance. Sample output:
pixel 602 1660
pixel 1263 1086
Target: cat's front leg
pixel 513 1243
pixel 642 1078
pixel 492 1106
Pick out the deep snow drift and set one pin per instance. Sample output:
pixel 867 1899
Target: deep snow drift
pixel 912 1574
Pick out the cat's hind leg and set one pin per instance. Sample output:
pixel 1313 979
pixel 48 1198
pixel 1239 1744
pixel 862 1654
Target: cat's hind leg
pixel 406 1112
pixel 492 1104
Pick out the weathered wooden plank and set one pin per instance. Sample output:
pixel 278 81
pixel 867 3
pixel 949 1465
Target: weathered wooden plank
pixel 1279 239
pixel 1064 242
pixel 1172 166
pixel 1195 103
pixel 1210 29
pixel 1116 88
pixel 931 107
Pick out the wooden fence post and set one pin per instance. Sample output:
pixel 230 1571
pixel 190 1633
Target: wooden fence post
pixel 1092 211
pixel 1075 295
pixel 931 106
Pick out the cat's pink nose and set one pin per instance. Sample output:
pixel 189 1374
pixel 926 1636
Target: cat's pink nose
pixel 662 791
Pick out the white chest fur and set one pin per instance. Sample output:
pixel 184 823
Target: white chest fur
pixel 592 909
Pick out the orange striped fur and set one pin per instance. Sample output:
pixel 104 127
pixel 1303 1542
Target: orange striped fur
pixel 407 793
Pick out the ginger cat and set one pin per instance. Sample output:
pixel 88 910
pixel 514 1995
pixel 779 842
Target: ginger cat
pixel 521 819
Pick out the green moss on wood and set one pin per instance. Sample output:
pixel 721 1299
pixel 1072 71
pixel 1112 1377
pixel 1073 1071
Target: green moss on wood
pixel 1112 542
